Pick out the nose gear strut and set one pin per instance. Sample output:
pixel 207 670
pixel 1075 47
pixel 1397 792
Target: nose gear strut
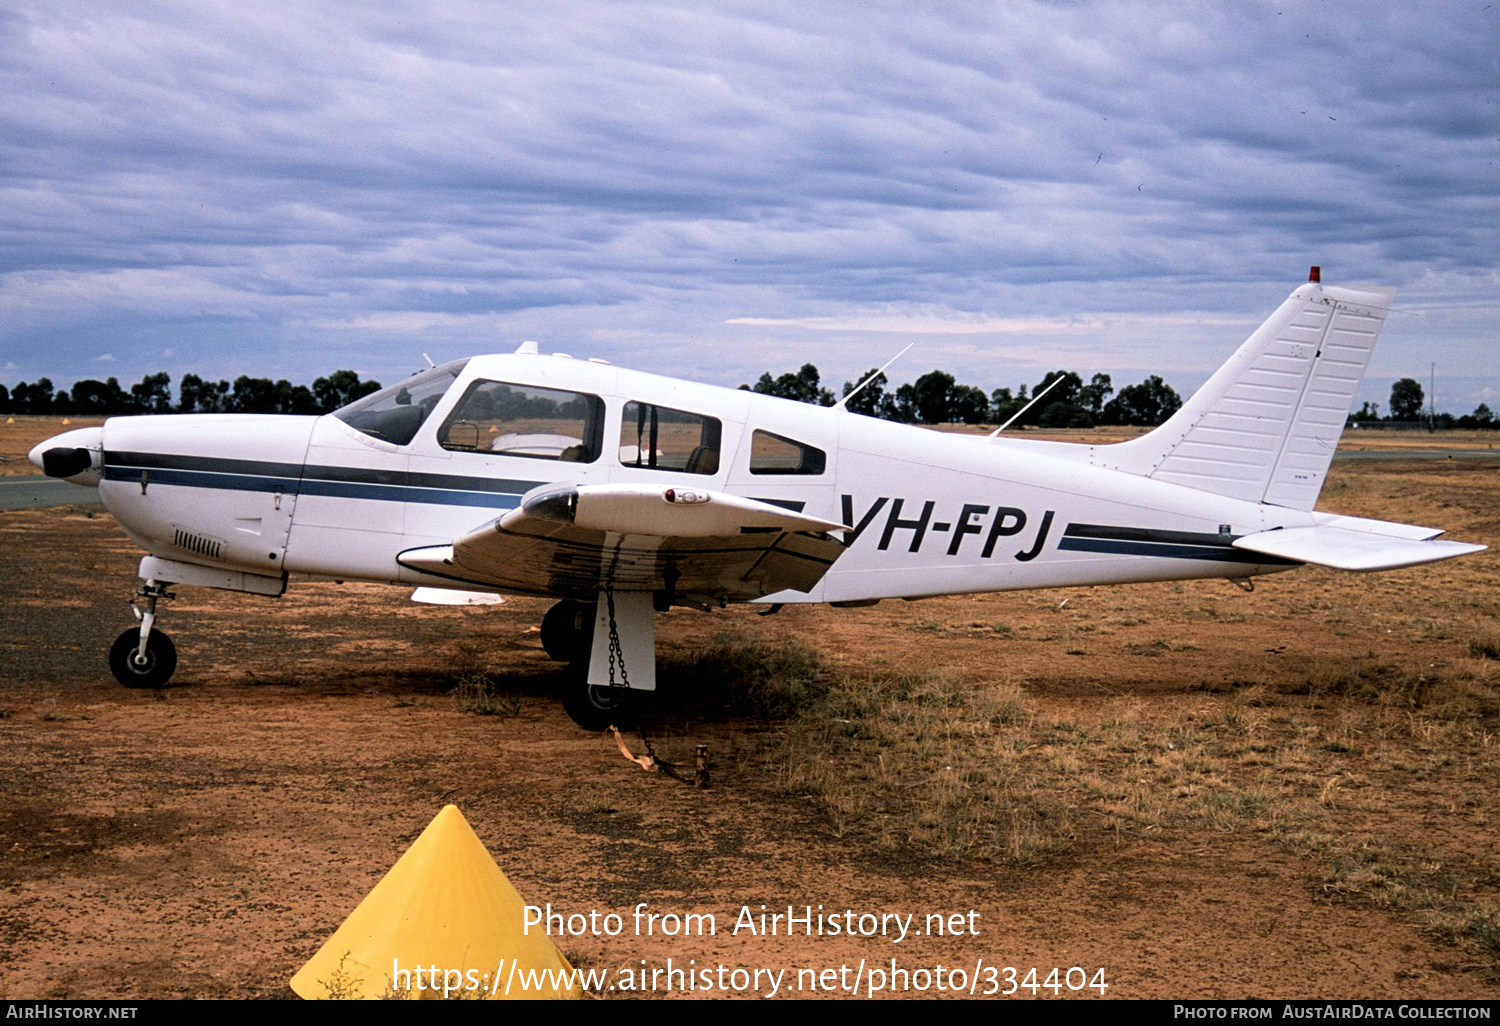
pixel 144 657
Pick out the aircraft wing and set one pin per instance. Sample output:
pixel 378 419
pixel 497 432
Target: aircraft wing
pixel 1353 543
pixel 575 540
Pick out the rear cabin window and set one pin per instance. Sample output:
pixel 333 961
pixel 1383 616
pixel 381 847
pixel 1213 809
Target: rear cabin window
pixel 525 420
pixel 658 438
pixel 777 454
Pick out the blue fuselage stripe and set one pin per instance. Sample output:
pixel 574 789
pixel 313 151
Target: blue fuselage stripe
pixel 205 479
pixel 331 489
pixel 1215 553
pixel 398 493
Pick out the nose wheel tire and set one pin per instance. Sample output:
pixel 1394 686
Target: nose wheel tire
pixel 151 672
pixel 598 708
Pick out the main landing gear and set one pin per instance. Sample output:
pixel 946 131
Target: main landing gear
pixel 568 631
pixel 568 637
pixel 598 707
pixel 144 657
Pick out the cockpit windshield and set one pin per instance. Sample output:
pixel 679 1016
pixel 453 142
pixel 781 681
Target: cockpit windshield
pixel 394 414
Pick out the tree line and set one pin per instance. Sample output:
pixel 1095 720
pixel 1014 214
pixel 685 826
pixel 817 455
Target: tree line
pixel 934 398
pixel 938 398
pixel 1405 407
pixel 153 394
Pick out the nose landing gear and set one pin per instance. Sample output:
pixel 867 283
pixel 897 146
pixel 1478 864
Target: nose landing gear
pixel 144 657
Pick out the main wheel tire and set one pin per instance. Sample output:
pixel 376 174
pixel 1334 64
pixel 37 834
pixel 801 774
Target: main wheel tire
pixel 568 631
pixel 154 671
pixel 599 708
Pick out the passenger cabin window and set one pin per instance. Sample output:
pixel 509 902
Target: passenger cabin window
pixel 394 414
pixel 777 454
pixel 656 438
pixel 528 421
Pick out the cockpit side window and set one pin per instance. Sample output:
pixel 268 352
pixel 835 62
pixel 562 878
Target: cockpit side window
pixel 394 414
pixel 526 420
pixel 777 454
pixel 658 438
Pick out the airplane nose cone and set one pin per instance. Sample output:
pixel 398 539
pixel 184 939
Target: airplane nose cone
pixel 70 455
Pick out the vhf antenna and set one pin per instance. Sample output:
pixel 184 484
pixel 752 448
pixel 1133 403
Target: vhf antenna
pixel 871 377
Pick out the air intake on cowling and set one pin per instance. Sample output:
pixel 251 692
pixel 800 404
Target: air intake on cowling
pixel 198 544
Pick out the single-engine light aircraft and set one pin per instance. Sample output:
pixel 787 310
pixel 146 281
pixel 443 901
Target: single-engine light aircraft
pixel 622 494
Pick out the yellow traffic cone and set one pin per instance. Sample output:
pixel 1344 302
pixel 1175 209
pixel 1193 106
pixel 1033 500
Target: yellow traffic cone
pixel 444 922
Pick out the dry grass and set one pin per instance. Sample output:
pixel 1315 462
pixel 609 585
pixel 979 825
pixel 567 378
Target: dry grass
pixel 928 763
pixel 745 676
pixel 479 693
pixel 939 766
pixel 476 687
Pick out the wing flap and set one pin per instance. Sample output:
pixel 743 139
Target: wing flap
pixel 450 597
pixel 578 540
pixel 1359 548
pixel 660 512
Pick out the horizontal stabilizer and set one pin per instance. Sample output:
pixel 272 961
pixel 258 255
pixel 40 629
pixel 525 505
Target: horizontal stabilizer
pixel 1354 548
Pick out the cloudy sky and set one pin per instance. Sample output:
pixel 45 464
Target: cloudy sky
pixel 716 189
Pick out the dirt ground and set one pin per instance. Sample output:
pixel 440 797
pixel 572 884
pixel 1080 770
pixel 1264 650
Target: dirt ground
pixel 1282 794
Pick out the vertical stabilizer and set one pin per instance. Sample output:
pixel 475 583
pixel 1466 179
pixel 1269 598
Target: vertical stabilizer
pixel 1265 426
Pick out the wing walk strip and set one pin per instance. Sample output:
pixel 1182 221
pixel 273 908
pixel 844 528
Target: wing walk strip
pixel 1147 541
pixel 335 482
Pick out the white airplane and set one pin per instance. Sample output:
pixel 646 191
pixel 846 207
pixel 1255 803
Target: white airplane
pixel 623 494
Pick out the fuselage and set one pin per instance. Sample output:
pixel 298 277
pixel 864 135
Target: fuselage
pixel 930 512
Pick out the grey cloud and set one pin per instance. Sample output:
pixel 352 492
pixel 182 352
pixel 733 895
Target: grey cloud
pixel 636 175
